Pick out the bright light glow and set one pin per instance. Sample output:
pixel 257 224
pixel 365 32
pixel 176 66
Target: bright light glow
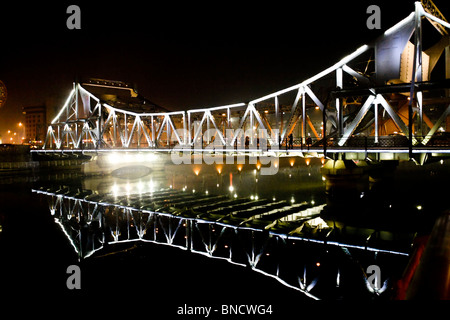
pixel 140 157
pixel 128 188
pixel 140 187
pixel 419 207
pixel 235 195
pixel 129 157
pixel 114 158
pixel 313 202
pixel 151 157
pixel 115 189
pixel 231 188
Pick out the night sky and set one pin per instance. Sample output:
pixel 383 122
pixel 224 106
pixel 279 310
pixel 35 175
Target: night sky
pixel 180 56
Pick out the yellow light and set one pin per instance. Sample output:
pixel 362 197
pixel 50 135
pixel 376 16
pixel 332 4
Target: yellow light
pixel 307 161
pixel 291 162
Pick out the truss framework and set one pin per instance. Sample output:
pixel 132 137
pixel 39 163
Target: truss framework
pixel 86 122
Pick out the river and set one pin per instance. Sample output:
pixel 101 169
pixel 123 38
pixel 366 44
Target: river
pixel 218 258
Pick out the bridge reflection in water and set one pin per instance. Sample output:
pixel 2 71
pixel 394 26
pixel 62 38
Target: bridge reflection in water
pixel 291 241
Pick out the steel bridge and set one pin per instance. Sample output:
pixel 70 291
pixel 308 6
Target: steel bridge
pixel 390 96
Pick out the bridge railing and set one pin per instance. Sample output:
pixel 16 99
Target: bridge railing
pixel 391 142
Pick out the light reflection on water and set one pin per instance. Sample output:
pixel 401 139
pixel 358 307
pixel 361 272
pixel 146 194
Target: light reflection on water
pixel 357 223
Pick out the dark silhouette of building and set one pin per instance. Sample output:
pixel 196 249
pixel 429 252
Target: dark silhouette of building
pixel 35 124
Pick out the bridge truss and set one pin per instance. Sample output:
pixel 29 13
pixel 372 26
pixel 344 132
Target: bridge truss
pixel 379 96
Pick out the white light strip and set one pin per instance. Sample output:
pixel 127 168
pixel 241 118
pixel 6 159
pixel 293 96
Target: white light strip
pixel 422 12
pixel 64 107
pixel 400 24
pixel 343 61
pixel 280 152
pixel 435 19
pixel 235 105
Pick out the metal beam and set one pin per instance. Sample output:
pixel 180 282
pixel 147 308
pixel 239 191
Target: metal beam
pixel 394 116
pixel 430 134
pixel 360 115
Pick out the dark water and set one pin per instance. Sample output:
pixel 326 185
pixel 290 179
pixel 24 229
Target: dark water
pixel 35 252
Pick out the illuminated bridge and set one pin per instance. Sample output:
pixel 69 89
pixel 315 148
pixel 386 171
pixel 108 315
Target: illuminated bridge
pixel 388 100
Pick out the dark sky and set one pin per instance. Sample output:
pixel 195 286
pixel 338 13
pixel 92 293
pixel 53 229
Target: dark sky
pixel 180 56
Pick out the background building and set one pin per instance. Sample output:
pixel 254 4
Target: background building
pixel 35 124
